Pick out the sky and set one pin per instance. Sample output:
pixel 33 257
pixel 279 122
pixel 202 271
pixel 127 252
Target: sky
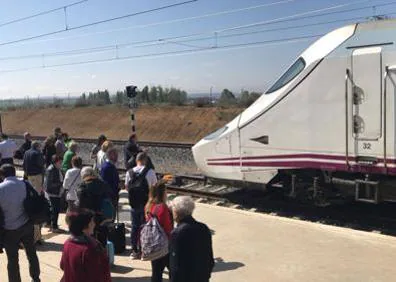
pixel 195 46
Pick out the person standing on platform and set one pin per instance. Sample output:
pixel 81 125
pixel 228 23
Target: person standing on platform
pixel 57 132
pixel 33 167
pixel 72 181
pixel 109 174
pixel 49 150
pixel 8 148
pixel 53 186
pixel 91 194
pixel 24 147
pixel 101 156
pixel 83 257
pixel 190 248
pixel 70 153
pixel 17 228
pixel 96 149
pixel 60 146
pixel 156 206
pixel 131 149
pixel 138 196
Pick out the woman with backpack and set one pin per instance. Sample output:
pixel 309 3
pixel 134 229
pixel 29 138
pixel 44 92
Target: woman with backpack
pixel 53 186
pixel 156 206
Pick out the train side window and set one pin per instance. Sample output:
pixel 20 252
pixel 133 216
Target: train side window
pixel 288 76
pixel 216 134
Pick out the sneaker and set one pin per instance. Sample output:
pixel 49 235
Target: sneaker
pixel 135 255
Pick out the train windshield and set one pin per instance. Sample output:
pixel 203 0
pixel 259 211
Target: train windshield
pixel 216 134
pixel 288 76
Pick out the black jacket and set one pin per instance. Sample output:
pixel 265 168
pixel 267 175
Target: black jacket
pixel 52 180
pixel 25 146
pixel 131 149
pixel 22 150
pixel 33 162
pixel 91 194
pixel 191 254
pixel 48 152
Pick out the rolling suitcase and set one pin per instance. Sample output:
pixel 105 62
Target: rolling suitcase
pixel 116 235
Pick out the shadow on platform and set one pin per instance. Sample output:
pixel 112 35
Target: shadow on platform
pixel 120 269
pixel 137 279
pixel 50 247
pixel 221 265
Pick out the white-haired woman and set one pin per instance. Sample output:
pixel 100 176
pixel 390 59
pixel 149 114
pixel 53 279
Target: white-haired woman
pixel 191 254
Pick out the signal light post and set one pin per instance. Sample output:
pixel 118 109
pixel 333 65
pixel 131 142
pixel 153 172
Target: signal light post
pixel 131 94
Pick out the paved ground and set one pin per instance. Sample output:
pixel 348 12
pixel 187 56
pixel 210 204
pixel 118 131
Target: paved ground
pixel 254 247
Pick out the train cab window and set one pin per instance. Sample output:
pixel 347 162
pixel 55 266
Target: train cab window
pixel 288 76
pixel 216 134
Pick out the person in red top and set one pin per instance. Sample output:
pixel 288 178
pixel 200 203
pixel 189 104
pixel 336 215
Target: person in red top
pixel 157 206
pixel 83 257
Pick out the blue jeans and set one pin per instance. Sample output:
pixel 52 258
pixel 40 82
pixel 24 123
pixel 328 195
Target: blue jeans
pixel 137 216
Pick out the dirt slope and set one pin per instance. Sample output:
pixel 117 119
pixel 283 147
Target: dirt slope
pixel 172 124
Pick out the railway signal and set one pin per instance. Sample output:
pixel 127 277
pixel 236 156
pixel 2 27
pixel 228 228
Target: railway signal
pixel 133 104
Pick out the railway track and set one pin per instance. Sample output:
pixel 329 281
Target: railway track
pixel 120 142
pixel 354 215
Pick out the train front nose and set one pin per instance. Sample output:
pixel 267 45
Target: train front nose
pixel 201 152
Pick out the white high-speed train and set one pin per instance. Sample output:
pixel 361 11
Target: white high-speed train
pixel 331 115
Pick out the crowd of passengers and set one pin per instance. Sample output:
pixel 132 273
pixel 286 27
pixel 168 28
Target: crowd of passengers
pixel 90 197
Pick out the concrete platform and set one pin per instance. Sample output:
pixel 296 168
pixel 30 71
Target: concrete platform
pixel 255 247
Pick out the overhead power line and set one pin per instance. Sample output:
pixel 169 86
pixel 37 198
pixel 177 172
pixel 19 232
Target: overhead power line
pixel 174 53
pixel 212 15
pixel 42 13
pixel 311 14
pixel 178 40
pixel 97 22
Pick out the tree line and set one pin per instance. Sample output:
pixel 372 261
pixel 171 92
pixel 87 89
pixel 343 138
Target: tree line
pixel 148 95
pixel 154 95
pixel 173 96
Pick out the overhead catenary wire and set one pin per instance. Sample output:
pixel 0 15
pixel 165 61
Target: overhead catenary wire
pixel 64 7
pixel 174 53
pixel 311 14
pixel 67 28
pixel 204 16
pixel 174 40
pixel 178 40
pixel 167 22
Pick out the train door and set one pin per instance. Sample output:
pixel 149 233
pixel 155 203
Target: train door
pixel 367 101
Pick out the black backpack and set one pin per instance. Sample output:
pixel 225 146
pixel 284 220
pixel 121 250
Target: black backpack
pixel 36 205
pixel 138 189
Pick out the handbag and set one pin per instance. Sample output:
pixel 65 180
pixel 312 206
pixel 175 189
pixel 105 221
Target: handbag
pixel 153 239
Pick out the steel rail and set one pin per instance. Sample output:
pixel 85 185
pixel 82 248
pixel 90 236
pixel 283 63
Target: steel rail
pixel 120 142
